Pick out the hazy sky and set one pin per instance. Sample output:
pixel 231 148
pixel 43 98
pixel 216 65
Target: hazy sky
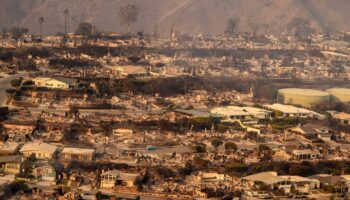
pixel 189 16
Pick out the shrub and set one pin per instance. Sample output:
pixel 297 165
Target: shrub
pixel 16 82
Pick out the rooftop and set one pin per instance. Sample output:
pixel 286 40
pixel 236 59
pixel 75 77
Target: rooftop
pixel 288 108
pixel 61 79
pixel 69 150
pixel 305 151
pixel 121 175
pixel 238 111
pixel 8 146
pixel 130 69
pixel 193 112
pixel 11 159
pixel 39 146
pixel 344 91
pixel 301 91
pixel 268 178
pixel 341 115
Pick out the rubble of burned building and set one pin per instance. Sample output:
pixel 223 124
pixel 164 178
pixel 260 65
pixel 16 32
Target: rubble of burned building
pixel 168 118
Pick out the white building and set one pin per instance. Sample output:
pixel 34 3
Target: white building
pixel 112 178
pixel 293 112
pixel 77 154
pixel 122 132
pixel 39 149
pixel 131 71
pixel 275 182
pixel 343 118
pixel 241 113
pixel 305 154
pixel 55 83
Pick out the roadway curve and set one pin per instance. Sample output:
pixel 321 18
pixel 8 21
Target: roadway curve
pixel 5 84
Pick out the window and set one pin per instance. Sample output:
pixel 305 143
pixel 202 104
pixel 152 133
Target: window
pixel 11 165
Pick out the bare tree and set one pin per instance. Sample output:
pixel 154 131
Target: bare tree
pixel 232 25
pixel 85 29
pixel 18 32
pixel 129 15
pixel 41 22
pixel 301 27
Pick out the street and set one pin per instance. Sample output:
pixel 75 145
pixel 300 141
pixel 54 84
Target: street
pixel 5 83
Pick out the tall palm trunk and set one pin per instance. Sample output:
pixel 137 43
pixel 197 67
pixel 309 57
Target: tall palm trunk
pixel 41 33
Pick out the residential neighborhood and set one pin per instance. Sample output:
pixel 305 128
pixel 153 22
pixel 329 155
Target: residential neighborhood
pixel 93 114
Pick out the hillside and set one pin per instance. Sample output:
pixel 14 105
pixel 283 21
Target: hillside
pixel 189 16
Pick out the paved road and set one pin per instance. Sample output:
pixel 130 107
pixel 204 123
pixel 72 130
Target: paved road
pixel 81 111
pixel 163 150
pixel 5 84
pixel 90 194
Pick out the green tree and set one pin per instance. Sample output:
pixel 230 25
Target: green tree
pixel 28 82
pixel 100 196
pixel 27 167
pixel 266 153
pixel 216 143
pixel 236 168
pixel 165 172
pixel 222 128
pixel 107 130
pixel 230 146
pixel 201 123
pixel 11 91
pixel 200 149
pixel 14 188
pixel 16 82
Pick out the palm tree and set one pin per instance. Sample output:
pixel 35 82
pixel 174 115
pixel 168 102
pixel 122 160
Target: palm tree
pixel 107 128
pixel 66 14
pixel 41 22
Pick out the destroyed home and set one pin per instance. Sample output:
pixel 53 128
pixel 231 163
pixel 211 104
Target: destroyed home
pixel 234 110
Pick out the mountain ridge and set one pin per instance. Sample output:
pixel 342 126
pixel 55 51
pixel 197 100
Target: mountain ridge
pixel 189 16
